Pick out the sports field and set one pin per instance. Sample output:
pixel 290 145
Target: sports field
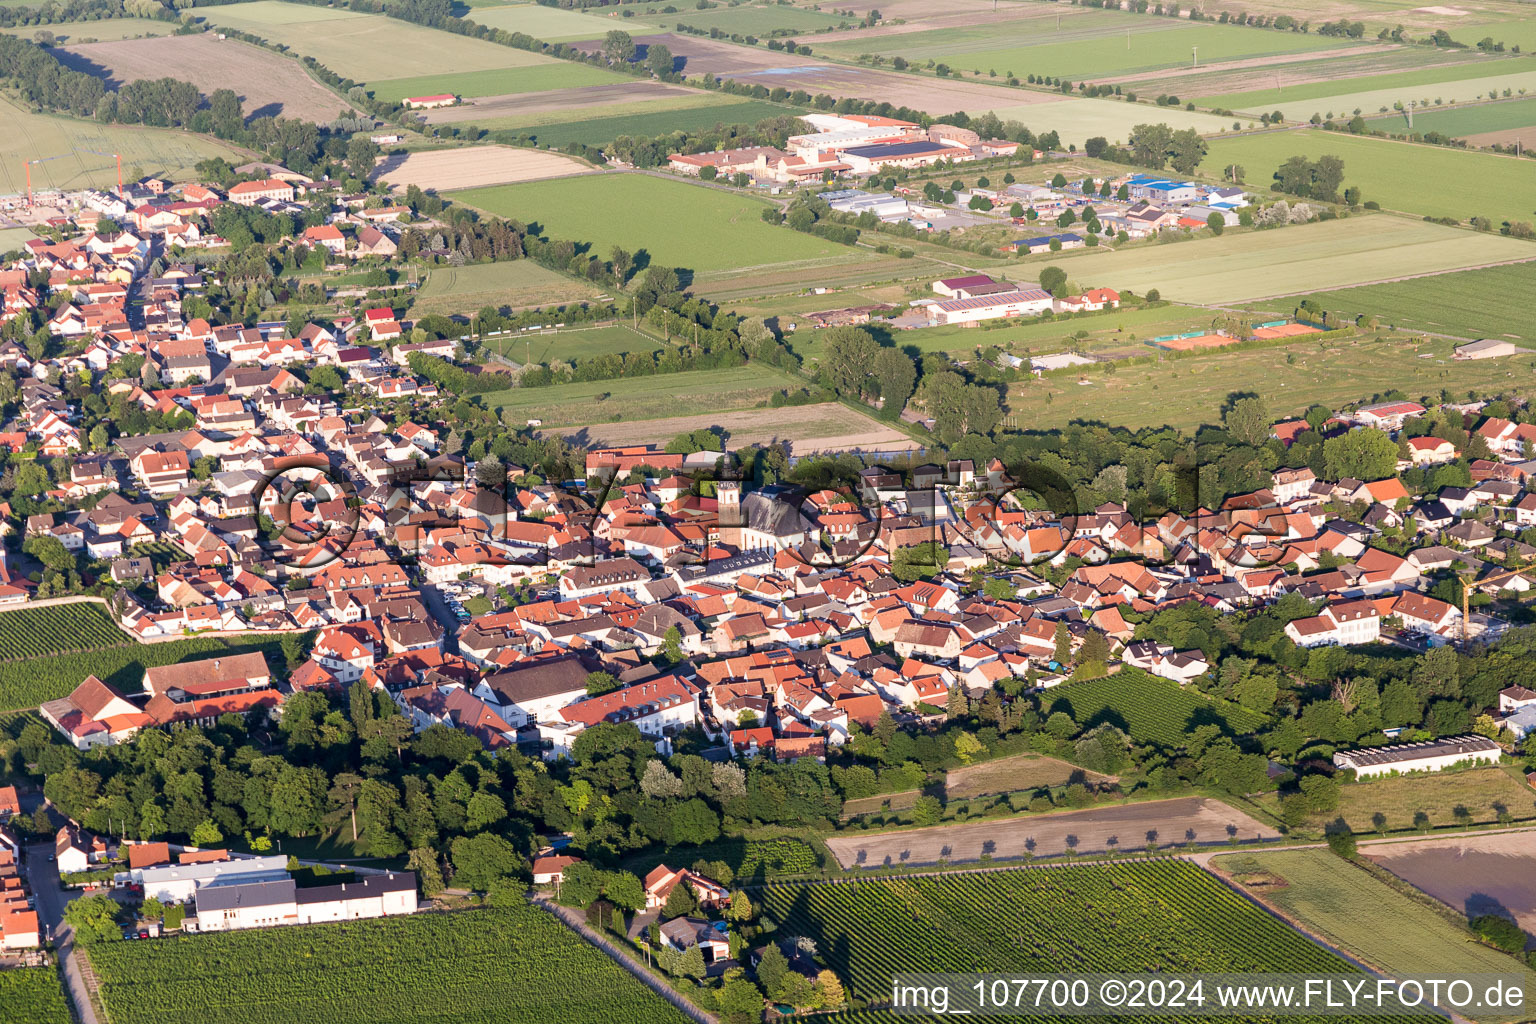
pixel 498 81
pixel 1427 181
pixel 1462 121
pixel 1253 265
pixel 571 344
pixel 677 224
pixel 1351 908
pixel 26 136
pixel 652 118
pixel 514 283
pixel 1187 392
pixel 367 47
pixel 1487 303
pixel 1090 44
pixel 641 398
pixel 1370 94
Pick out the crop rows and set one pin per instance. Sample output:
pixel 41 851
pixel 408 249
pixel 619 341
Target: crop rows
pixel 31 995
pixel 35 632
pixel 776 857
pixel 1151 710
pixel 1167 916
pixel 515 966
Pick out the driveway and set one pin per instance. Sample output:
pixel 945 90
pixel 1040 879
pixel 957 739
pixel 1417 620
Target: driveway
pixel 43 876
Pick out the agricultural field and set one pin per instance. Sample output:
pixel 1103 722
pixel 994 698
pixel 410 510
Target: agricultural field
pixel 1346 905
pixel 1167 916
pixel 571 344
pixel 1010 774
pixel 355 45
pixel 28 683
pixel 1487 303
pixel 605 402
pixel 472 167
pixel 823 427
pixel 511 283
pixel 499 82
pixel 551 24
pixel 1473 875
pixel 759 20
pixel 1427 181
pixel 1111 828
pixel 1088 42
pixel 74 32
pixel 54 629
pixel 1187 392
pixel 269 85
pixel 1464 121
pixel 517 966
pixel 677 224
pixel 1247 266
pixel 32 995
pixel 27 136
pixel 749 858
pixel 1369 95
pixel 1149 709
pixel 659 117
pixel 1485 795
pixel 1303 72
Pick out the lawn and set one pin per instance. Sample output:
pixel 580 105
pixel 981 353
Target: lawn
pixel 1186 392
pixel 1350 907
pixel 1488 303
pixel 1483 792
pixel 655 117
pixel 12 239
pixel 1089 44
pixel 676 224
pixel 570 345
pixel 1252 265
pixel 496 82
pixel 1465 120
pixel 1372 92
pixel 551 24
pixel 517 965
pixel 1426 181
pixel 514 283
pixel 365 47
pixel 644 398
pixel 162 151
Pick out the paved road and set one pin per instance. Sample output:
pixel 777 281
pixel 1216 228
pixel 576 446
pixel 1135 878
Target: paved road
pixel 439 610
pixel 43 875
pixel 574 921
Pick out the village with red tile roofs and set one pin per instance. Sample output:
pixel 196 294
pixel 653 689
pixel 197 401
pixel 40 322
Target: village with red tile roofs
pixel 661 516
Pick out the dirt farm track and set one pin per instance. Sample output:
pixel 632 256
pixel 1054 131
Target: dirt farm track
pixel 474 166
pixel 267 84
pixel 1124 827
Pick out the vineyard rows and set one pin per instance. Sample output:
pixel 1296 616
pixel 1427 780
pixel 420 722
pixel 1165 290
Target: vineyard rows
pixel 31 995
pixel 39 632
pixel 1161 916
pixel 1151 710
pixel 508 966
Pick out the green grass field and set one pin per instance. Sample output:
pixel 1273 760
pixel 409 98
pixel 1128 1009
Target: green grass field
pixel 554 25
pixel 1427 181
pixel 1462 121
pixel 643 398
pixel 1252 265
pixel 12 239
pixel 1370 93
pixel 514 283
pixel 656 117
pixel 755 19
pixel 1483 792
pixel 496 82
pixel 681 225
pixel 69 33
pixel 27 136
pixel 1487 303
pixel 1353 909
pixel 517 965
pixel 569 345
pixel 1090 44
pixel 1185 393
pixel 366 47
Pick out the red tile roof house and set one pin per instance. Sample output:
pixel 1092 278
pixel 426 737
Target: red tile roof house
pixel 446 99
pixel 249 193
pixel 95 715
pixel 662 880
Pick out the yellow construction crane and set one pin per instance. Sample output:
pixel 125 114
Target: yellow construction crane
pixel 1466 592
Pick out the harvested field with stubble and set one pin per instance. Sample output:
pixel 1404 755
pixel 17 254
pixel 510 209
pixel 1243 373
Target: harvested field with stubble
pixel 827 427
pixel 472 167
pixel 1122 827
pixel 562 102
pixel 268 85
pixel 517 284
